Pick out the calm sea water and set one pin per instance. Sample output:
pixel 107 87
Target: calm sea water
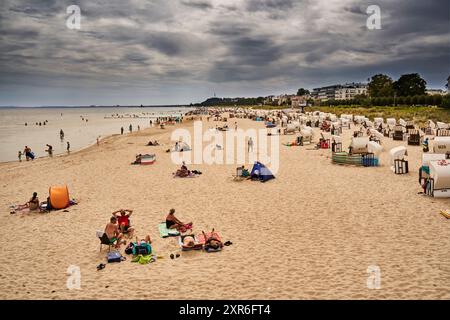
pixel 81 126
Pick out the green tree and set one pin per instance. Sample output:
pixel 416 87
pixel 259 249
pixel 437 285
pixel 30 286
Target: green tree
pixel 302 92
pixel 410 85
pixel 381 85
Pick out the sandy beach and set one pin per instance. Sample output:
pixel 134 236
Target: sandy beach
pixel 311 233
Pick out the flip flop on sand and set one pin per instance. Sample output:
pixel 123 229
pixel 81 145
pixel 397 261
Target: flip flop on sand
pixel 228 243
pixel 172 256
pixel 177 255
pixel 101 266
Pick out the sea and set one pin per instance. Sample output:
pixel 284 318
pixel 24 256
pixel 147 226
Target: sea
pixel 37 127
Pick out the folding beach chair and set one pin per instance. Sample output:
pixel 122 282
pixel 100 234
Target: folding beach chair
pixel 104 240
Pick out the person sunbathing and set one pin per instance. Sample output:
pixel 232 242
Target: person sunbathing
pixel 173 223
pixel 138 159
pixel 32 204
pixel 155 143
pixel 124 221
pixel 113 233
pixel 213 241
pixel 189 241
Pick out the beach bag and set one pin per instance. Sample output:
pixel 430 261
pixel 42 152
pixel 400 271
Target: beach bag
pixel 129 248
pixel 143 248
pixel 114 256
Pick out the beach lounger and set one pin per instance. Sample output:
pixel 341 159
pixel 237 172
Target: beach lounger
pixel 165 232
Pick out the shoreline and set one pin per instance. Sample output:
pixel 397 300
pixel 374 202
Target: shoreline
pixel 103 139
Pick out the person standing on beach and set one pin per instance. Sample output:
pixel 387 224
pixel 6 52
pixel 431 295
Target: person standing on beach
pixel 235 125
pixel 250 144
pixel 61 134
pixel 68 147
pixel 20 156
pixel 98 142
pixel 121 130
pixel 131 128
pixel 28 154
pixel 49 150
pixel 139 128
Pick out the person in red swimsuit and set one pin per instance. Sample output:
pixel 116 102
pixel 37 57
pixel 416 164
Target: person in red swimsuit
pixel 123 221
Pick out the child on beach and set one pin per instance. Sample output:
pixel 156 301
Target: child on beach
pixel 20 156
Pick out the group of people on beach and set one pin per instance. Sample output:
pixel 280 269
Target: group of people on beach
pixel 119 226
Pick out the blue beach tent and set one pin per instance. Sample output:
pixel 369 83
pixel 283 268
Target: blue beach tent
pixel 261 173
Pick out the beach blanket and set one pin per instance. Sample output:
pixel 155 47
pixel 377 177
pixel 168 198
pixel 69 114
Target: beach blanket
pixel 165 232
pixel 202 240
pixel 197 245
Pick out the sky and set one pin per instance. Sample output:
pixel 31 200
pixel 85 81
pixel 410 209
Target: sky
pixel 159 52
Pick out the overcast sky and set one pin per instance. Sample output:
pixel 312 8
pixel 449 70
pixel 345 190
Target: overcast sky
pixel 182 51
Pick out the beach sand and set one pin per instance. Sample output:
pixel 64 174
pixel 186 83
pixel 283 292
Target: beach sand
pixel 311 233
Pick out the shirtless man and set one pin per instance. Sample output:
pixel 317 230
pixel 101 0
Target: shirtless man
pixel 173 223
pixel 113 233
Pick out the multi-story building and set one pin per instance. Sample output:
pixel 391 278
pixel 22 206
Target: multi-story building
pixel 340 91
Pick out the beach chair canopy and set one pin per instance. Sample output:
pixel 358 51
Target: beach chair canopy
pixel 441 145
pixel 440 172
pixel 359 144
pixel 59 197
pixel 397 153
pixel 260 172
pixel 427 157
pixel 373 147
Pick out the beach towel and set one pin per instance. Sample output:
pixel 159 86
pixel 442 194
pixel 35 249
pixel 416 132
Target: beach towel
pixel 165 232
pixel 202 240
pixel 144 259
pixel 197 245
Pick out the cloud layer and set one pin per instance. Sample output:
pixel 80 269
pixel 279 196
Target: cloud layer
pixel 181 51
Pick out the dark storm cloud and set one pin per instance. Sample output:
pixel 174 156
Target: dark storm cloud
pixel 238 45
pixel 268 5
pixel 198 4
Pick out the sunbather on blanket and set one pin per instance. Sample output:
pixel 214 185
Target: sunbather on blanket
pixel 213 241
pixel 155 143
pixel 173 223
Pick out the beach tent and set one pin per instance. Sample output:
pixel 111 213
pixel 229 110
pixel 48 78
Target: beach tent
pixel 260 172
pixel 440 173
pixel 59 197
pixel 441 145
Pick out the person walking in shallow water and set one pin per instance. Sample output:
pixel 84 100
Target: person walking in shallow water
pixel 121 130
pixel 131 128
pixel 68 147
pixel 20 156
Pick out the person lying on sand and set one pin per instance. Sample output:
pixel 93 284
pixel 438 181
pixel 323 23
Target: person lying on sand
pixel 124 221
pixel 138 159
pixel 213 240
pixel 173 223
pixel 189 241
pixel 155 143
pixel 113 233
